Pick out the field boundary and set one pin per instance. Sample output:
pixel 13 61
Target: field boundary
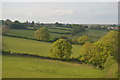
pixel 73 60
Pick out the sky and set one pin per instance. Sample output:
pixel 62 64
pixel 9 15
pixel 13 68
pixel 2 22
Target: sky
pixel 64 12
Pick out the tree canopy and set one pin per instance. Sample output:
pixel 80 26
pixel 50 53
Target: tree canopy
pixel 99 52
pixel 61 49
pixel 83 39
pixel 42 34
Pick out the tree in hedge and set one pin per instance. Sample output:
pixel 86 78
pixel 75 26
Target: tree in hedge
pixel 61 49
pixel 109 44
pixel 100 52
pixel 42 34
pixel 83 39
pixel 90 54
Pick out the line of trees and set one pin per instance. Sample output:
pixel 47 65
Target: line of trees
pixel 101 53
pixel 76 28
pixel 97 53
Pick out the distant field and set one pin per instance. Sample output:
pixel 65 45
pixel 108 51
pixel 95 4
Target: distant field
pixel 28 67
pixel 30 33
pixel 59 30
pixel 95 34
pixel 20 45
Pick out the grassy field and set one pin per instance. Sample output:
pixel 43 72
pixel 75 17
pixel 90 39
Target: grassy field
pixel 59 30
pixel 28 67
pixel 30 33
pixel 20 45
pixel 95 34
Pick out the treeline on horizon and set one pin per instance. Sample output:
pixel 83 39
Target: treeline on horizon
pixel 23 25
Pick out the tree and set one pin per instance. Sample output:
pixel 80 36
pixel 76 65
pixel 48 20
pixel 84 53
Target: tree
pixel 96 27
pixel 42 34
pixel 83 39
pixel 18 25
pixel 7 22
pixel 77 29
pixel 101 52
pixel 61 49
pixel 90 54
pixel 109 44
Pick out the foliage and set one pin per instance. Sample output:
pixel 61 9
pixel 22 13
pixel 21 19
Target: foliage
pixel 42 34
pixel 77 29
pixel 109 44
pixel 61 49
pixel 96 27
pixel 18 25
pixel 102 51
pixel 31 46
pixel 90 54
pixel 83 39
pixel 7 22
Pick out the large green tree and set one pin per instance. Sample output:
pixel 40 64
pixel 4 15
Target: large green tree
pixel 102 51
pixel 61 49
pixel 42 34
pixel 109 43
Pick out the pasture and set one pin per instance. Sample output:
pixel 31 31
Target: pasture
pixel 28 67
pixel 30 33
pixel 59 32
pixel 19 45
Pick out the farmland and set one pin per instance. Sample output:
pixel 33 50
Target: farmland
pixel 31 46
pixel 59 40
pixel 27 67
pixel 31 67
pixel 55 33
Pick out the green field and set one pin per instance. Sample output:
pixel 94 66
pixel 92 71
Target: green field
pixel 30 33
pixel 95 34
pixel 28 67
pixel 20 45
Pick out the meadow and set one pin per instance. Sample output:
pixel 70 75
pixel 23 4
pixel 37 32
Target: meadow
pixel 19 45
pixel 28 67
pixel 30 33
pixel 59 32
pixel 31 67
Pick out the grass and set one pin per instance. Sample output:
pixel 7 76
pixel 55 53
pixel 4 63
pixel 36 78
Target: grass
pixel 30 33
pixel 65 28
pixel 58 30
pixel 28 67
pixel 20 45
pixel 96 34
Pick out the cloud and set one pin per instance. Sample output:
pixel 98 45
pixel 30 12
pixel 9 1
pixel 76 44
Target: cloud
pixel 59 12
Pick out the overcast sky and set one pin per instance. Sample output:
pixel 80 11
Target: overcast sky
pixel 65 12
